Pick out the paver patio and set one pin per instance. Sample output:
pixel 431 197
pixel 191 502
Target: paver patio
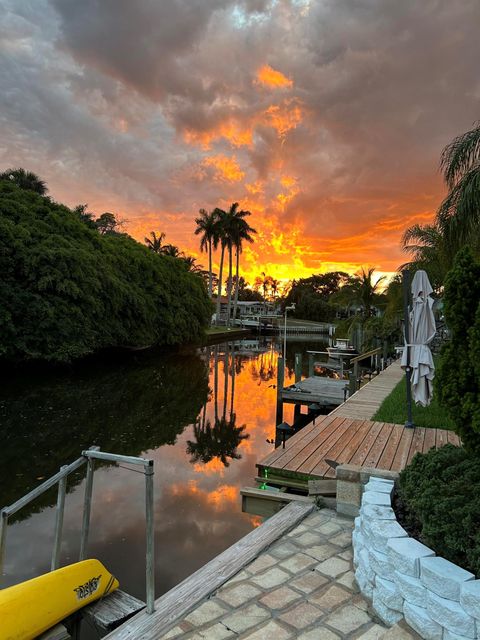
pixel 302 587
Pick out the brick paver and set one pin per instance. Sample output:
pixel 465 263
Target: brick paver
pixel 302 587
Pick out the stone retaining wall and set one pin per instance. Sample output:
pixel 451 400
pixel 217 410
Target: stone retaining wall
pixel 404 579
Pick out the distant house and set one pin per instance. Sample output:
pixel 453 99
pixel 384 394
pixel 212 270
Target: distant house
pixel 247 309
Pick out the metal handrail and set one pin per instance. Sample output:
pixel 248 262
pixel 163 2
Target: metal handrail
pixel 362 356
pixel 88 457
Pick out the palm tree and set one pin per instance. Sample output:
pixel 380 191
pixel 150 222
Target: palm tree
pixel 429 251
pixel 222 219
pixel 155 243
pixel 367 290
pixel 172 251
pixel 25 180
pixel 459 213
pixel 207 226
pixel 241 231
pixel 457 222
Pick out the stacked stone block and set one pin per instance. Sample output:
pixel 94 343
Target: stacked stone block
pixel 404 579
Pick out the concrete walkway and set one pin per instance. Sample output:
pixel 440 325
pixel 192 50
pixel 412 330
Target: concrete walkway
pixel 302 587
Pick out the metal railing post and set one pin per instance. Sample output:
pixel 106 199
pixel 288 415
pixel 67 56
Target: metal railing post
pixel 3 538
pixel 150 527
pixel 62 489
pixel 87 505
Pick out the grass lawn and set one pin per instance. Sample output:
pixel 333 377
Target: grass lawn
pixel 394 409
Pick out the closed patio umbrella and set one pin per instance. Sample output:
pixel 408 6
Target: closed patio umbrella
pixel 422 330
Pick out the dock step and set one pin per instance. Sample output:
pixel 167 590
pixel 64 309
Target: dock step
pixel 109 612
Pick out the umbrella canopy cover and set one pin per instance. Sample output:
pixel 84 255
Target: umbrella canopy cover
pixel 422 327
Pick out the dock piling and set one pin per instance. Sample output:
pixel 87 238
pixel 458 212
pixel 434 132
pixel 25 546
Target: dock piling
pixel 150 526
pixel 298 367
pixel 280 382
pixel 62 490
pixel 87 506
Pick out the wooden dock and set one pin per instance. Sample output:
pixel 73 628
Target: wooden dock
pixel 323 391
pixel 341 439
pixel 365 402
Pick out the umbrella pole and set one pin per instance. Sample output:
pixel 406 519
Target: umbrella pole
pixel 408 371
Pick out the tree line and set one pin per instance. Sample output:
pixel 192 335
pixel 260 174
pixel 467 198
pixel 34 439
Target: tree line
pixel 73 284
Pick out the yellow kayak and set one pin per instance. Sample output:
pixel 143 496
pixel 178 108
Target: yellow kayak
pixel 30 608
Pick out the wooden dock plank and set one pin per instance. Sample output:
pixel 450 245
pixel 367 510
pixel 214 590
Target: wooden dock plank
pixel 429 440
pixel 401 456
pixel 453 438
pixel 279 451
pixel 109 612
pixel 306 463
pixel 378 446
pixel 417 443
pixel 386 459
pixel 341 451
pixel 302 448
pixel 179 601
pixel 441 438
pixel 360 455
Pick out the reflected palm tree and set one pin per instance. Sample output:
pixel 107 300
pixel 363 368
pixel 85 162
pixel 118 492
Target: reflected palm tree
pixel 223 438
pixel 220 441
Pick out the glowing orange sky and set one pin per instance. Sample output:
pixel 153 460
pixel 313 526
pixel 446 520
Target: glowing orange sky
pixel 325 120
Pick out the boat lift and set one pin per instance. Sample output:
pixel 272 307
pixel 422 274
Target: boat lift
pixel 88 457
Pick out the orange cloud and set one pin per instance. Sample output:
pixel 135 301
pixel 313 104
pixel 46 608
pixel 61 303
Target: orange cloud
pixel 271 78
pixel 285 116
pixel 227 169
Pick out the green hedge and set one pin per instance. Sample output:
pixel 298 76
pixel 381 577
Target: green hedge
pixel 441 494
pixel 67 291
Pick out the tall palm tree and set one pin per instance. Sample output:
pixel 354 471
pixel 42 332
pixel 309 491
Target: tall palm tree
pixel 207 226
pixel 25 180
pixel 222 222
pixel 241 232
pixel 367 289
pixel 155 243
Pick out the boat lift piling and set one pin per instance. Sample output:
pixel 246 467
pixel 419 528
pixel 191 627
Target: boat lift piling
pixel 88 457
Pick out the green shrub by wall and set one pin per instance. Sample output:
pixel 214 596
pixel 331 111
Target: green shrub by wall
pixel 441 492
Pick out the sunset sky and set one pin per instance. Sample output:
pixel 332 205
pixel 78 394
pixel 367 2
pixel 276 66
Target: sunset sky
pixel 324 118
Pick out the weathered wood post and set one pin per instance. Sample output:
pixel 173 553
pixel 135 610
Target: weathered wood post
pixel 385 354
pixel 352 383
pixel 298 367
pixel 280 383
pixel 311 362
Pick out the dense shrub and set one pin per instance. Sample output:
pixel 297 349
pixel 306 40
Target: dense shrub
pixel 66 290
pixel 441 493
pixel 457 380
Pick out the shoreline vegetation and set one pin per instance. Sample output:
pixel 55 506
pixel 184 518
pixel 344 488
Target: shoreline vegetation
pixel 70 288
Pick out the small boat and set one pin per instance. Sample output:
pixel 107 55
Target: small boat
pixel 341 348
pixel 32 607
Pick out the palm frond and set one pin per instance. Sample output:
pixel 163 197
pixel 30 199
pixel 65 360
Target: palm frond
pixel 460 155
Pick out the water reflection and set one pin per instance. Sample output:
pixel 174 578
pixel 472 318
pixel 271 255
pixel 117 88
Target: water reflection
pixel 204 417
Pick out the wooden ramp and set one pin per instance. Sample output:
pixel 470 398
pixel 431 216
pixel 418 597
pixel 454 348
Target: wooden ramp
pixel 366 401
pixel 346 440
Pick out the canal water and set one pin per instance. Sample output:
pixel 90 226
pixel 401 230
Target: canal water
pixel 204 416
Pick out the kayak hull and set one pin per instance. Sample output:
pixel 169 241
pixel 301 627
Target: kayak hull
pixel 30 608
